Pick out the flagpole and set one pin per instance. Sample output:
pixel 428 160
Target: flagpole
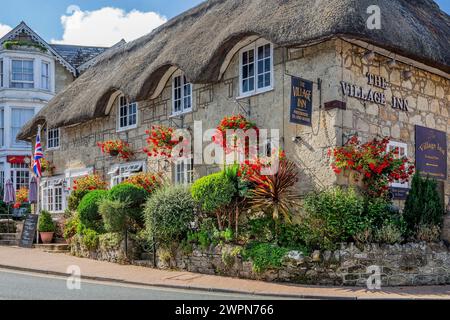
pixel 38 182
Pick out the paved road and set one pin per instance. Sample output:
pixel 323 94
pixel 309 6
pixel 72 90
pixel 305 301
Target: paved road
pixel 27 286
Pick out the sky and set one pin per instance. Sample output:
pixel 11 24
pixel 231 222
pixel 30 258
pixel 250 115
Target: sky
pixel 97 22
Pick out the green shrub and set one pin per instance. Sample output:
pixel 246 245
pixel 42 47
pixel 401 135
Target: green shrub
pixel 208 234
pixel 423 205
pixel 88 210
pixel 333 216
pixel 114 214
pixel 75 198
pixel 428 233
pixel 46 223
pixel 71 227
pixel 264 256
pixel 168 214
pixel 90 239
pixel 134 195
pixel 389 234
pixel 377 211
pixel 213 192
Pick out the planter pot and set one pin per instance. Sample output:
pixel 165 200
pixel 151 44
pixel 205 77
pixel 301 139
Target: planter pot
pixel 114 153
pixel 46 237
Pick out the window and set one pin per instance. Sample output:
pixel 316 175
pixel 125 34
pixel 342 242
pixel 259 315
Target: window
pixel 52 195
pixel 182 95
pixel 45 76
pixel 1 73
pixel 19 117
pixel 119 173
pixel 22 74
pixel 402 152
pixel 256 69
pixel 127 114
pixel 53 138
pixel 20 175
pixel 2 177
pixel 184 172
pixel 2 127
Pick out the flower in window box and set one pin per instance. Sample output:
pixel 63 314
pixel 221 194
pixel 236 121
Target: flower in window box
pixel 147 181
pixel 371 164
pixel 116 148
pixel 89 183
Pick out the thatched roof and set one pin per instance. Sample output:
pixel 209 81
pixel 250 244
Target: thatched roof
pixel 198 40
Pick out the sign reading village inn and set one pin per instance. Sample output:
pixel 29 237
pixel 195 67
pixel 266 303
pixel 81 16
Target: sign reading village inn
pixel 301 101
pixel 374 96
pixel 431 152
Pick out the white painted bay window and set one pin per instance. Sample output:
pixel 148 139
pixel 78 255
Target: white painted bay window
pixel 402 152
pixel 45 75
pixel 256 68
pixel 19 116
pixel 128 114
pixel 22 75
pixel 52 196
pixel 181 94
pixel 184 172
pixel 20 175
pixel 119 173
pixel 53 138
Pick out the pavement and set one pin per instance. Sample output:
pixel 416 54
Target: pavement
pixel 36 261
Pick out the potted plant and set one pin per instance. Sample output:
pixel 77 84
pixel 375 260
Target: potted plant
pixel 115 148
pixel 46 227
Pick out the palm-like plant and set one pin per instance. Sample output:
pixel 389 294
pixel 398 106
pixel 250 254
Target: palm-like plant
pixel 275 194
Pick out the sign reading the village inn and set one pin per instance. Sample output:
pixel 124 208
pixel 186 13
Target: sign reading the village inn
pixel 301 101
pixel 374 95
pixel 431 152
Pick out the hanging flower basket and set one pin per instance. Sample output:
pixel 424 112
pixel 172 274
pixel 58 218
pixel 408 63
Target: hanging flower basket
pixel 47 166
pixel 21 197
pixel 161 141
pixel 116 148
pixel 235 122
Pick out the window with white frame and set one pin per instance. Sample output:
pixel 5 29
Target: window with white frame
pixel 2 176
pixel 71 175
pixel 53 138
pixel 184 172
pixel 20 175
pixel 128 113
pixel 45 75
pixel 1 73
pixel 2 127
pixel 19 116
pixel 402 149
pixel 256 68
pixel 22 75
pixel 120 173
pixel 181 94
pixel 53 195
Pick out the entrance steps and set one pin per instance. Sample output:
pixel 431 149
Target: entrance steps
pixel 9 239
pixel 53 247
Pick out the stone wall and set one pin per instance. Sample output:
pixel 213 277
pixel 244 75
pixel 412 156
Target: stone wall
pixel 412 264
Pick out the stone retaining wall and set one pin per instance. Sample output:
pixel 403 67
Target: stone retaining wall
pixel 410 264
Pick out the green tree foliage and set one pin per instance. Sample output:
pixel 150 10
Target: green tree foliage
pixel 424 205
pixel 135 197
pixel 75 198
pixel 213 192
pixel 115 214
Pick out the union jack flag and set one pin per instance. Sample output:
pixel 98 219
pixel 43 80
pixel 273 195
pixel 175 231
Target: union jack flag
pixel 38 155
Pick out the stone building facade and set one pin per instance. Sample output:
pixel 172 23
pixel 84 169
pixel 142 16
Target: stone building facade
pixel 422 97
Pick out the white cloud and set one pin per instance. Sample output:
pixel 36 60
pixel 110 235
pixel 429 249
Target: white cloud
pixel 106 26
pixel 4 29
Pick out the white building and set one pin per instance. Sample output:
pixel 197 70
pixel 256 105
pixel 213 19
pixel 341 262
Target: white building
pixel 31 73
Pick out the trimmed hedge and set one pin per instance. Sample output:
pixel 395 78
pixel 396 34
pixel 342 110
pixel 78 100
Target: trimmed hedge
pixel 213 192
pixel 135 197
pixel 88 209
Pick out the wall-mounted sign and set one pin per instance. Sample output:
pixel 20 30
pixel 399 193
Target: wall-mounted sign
pixel 371 95
pixel 18 159
pixel 431 152
pixel 301 101
pixel 398 193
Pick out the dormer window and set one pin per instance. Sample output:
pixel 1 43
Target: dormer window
pixel 22 75
pixel 128 114
pixel 256 68
pixel 181 94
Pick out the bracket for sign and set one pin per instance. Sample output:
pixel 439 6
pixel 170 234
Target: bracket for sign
pixel 242 108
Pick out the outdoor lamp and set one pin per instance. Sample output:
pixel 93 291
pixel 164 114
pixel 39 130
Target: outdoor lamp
pixel 369 56
pixel 407 75
pixel 392 64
